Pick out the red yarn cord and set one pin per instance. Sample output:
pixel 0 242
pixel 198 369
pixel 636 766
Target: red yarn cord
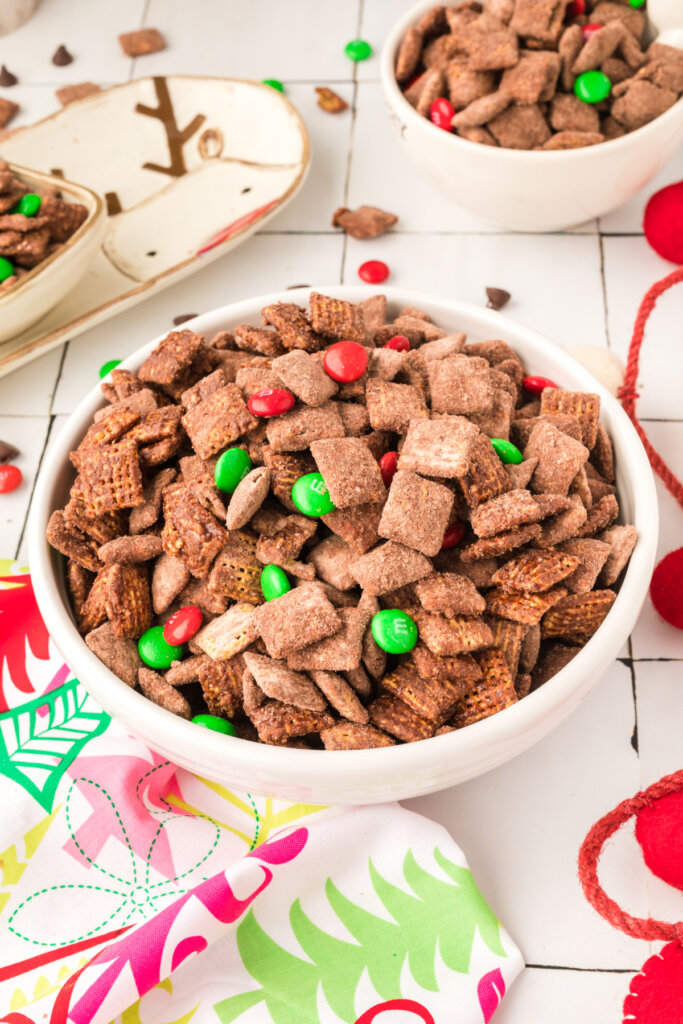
pixel 589 855
pixel 628 394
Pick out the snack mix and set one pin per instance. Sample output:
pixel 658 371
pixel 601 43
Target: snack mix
pixel 33 225
pixel 408 537
pixel 538 74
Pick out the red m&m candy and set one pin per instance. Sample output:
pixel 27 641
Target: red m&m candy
pixel 10 478
pixel 373 272
pixel 535 385
pixel 183 625
pixel 400 343
pixel 387 467
pixel 270 402
pixel 576 8
pixel 346 361
pixel 589 30
pixel 441 112
pixel 453 535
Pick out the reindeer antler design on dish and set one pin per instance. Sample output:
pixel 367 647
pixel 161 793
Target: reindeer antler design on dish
pixel 176 137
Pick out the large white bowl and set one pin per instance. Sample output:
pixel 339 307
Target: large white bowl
pixel 363 776
pixel 523 190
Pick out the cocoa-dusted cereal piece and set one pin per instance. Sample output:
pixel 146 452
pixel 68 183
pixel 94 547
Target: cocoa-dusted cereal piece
pixel 248 497
pixel 119 654
pixel 359 680
pixel 129 602
pixel 416 512
pixel 485 477
pixel 559 458
pixel 563 526
pixel 584 407
pixel 429 698
pixel 602 455
pixel 534 78
pixel 236 571
pixel 460 385
pixel 350 473
pixel 539 19
pixel 462 669
pixel 187 671
pixel 357 525
pixel 393 406
pixel 258 339
pixel 465 85
pixel 340 652
pixel 429 87
pixel 573 140
pixel 519 127
pixel 191 532
pixel 156 689
pixel 608 10
pixel 531 645
pixel 341 696
pixel 229 634
pixel 218 421
pixel 276 722
pixel 293 326
pixel 393 716
pixel 304 376
pixel 171 358
pixel 599 516
pixel 221 683
pixel 408 56
pixel 458 634
pixel 570 114
pixel 507 512
pixel 552 659
pixel 481 111
pixel 536 571
pixel 141 42
pixel 296 430
pixel 493 693
pixel 93 611
pixel 492 547
pixel 79 582
pixel 297 619
pixel 388 566
pixel 439 448
pixel 285 470
pixel 355 420
pixel 508 637
pixel 72 543
pixel 450 594
pixel 332 559
pixel 111 476
pixel 131 550
pixel 621 540
pixel 521 474
pixel 577 616
pixel 365 222
pixel 569 48
pixel 526 608
pixel 592 555
pixel 352 736
pixel 336 318
pixel 142 517
pixel 281 683
pixel 641 103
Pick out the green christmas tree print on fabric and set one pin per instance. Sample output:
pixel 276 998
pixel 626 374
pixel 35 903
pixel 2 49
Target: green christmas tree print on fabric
pixel 437 915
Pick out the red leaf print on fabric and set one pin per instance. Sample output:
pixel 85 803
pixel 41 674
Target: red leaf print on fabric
pixel 408 1005
pixel 20 624
pixel 491 989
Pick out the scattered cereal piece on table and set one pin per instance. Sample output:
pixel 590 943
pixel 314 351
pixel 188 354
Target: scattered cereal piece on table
pixel 364 222
pixel 330 101
pixel 70 93
pixel 141 42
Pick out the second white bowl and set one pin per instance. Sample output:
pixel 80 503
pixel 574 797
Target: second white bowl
pixel 390 773
pixel 523 190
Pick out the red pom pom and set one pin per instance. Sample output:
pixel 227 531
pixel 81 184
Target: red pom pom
pixel 659 830
pixel 666 588
pixel 663 222
pixel 656 994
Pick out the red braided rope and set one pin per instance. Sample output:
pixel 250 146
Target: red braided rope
pixel 589 855
pixel 628 394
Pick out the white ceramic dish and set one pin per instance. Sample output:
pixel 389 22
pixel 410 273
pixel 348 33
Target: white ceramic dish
pixel 189 168
pixel 45 285
pixel 367 776
pixel 520 190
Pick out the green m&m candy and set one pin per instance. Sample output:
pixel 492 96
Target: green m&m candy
pixel 637 3
pixel 155 651
pixel 274 83
pixel 311 496
pixel 358 49
pixel 274 582
pixel 215 723
pixel 506 451
pixel 394 631
pixel 6 269
pixel 28 205
pixel 592 86
pixel 106 368
pixel 231 469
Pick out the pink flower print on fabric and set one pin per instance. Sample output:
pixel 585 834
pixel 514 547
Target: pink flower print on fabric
pixel 136 963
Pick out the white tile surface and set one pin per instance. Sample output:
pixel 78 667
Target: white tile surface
pixel 523 824
pixel 628 219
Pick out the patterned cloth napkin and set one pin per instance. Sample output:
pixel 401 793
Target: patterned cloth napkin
pixel 134 891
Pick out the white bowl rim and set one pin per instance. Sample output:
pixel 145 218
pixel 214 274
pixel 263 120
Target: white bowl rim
pixel 393 92
pixel 354 766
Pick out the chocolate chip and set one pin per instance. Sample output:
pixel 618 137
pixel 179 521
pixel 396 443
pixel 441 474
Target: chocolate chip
pixel 183 318
pixel 7 78
pixel 7 451
pixel 497 298
pixel 62 57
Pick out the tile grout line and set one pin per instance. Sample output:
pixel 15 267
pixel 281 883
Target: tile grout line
pixel 603 281
pixel 352 132
pixel 134 60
